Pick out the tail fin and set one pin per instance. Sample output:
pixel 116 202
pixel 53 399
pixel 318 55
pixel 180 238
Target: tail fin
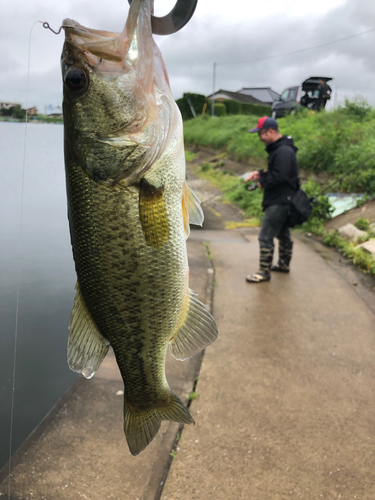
pixel 142 426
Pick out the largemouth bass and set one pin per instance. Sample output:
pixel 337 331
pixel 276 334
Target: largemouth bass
pixel 129 210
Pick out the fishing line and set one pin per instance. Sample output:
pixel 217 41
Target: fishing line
pixel 339 180
pixel 253 187
pixel 19 268
pixel 223 192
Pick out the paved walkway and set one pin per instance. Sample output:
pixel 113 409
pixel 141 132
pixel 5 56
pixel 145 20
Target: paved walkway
pixel 286 404
pixel 79 451
pixel 286 398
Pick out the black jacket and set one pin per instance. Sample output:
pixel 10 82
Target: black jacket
pixel 281 178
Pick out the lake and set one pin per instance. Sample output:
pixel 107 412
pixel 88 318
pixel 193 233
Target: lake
pixel 47 277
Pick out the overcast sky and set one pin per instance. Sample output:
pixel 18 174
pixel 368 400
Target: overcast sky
pixel 221 31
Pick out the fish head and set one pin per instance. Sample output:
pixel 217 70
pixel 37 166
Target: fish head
pixel 117 101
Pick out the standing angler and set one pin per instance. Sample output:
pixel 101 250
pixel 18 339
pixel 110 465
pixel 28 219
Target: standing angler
pixel 280 183
pixel 129 211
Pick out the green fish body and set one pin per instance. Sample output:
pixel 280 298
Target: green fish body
pixel 129 211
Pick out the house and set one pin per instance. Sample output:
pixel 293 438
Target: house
pixel 221 95
pixel 7 105
pixel 265 95
pixel 32 111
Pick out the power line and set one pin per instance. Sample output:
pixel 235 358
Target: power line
pixel 301 50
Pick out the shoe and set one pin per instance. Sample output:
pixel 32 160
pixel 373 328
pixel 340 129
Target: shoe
pixel 279 268
pixel 258 277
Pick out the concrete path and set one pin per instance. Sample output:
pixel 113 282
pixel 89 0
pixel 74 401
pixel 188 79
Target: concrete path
pixel 80 451
pixel 286 398
pixel 367 211
pixel 286 404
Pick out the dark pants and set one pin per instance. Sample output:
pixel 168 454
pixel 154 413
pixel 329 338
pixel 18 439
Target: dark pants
pixel 274 226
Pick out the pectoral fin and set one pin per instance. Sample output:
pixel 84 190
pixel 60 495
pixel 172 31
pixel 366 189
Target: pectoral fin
pixel 197 332
pixel 153 214
pixel 86 345
pixel 191 209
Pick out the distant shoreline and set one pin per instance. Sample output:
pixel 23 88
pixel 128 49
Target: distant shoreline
pixel 58 121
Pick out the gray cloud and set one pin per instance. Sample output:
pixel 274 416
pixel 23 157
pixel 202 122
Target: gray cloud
pixel 350 62
pixel 208 38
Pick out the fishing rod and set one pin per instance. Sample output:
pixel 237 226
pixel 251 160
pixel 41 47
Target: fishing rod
pixel 254 186
pixel 324 190
pixel 222 192
pixel 251 187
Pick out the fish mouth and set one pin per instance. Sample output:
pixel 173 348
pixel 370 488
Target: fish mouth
pixel 102 50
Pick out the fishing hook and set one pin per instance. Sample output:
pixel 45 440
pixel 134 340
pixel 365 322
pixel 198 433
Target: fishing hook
pixel 48 27
pixel 175 20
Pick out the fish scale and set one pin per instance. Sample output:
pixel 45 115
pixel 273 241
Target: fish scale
pixel 129 210
pixel 101 262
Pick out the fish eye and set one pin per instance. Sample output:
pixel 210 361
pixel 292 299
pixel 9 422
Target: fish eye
pixel 76 79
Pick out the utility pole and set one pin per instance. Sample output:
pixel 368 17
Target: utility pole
pixel 213 91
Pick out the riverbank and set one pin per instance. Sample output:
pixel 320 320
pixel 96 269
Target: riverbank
pixel 328 142
pixel 32 119
pixel 224 174
pixel 79 449
pixel 283 403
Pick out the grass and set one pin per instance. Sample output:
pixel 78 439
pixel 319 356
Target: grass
pixel 332 142
pixel 193 395
pixel 250 203
pixel 234 191
pixel 359 257
pixel 208 250
pixel 190 156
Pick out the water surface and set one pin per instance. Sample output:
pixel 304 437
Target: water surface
pixel 47 277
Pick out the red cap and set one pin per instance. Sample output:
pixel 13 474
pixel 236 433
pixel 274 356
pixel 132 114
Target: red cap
pixel 264 123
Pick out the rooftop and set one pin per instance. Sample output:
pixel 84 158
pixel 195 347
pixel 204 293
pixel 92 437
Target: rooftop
pixel 235 96
pixel 263 94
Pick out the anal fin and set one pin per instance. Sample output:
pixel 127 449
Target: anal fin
pixel 153 214
pixel 86 345
pixel 198 331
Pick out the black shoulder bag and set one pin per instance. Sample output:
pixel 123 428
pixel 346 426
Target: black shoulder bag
pixel 299 207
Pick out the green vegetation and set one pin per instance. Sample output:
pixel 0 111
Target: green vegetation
pixel 240 108
pixel 321 210
pixel 360 258
pixel 234 190
pixel 190 156
pixel 250 202
pixel 362 224
pixel 15 112
pixel 333 142
pixel 200 103
pixel 193 395
pixel 48 119
pixel 220 109
pixel 208 250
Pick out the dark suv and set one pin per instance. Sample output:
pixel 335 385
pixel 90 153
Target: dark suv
pixel 307 95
